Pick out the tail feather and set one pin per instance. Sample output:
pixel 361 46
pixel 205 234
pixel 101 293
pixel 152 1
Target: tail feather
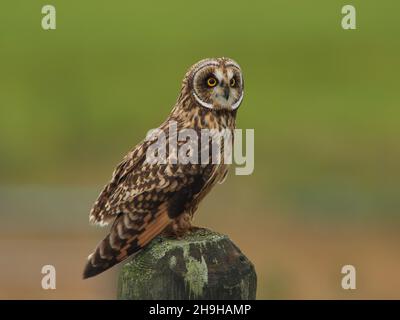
pixel 126 237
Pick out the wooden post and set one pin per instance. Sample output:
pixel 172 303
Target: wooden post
pixel 202 265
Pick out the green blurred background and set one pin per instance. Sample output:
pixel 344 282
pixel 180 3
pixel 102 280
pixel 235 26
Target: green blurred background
pixel 324 103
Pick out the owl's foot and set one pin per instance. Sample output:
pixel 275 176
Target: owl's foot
pixel 180 226
pixel 193 228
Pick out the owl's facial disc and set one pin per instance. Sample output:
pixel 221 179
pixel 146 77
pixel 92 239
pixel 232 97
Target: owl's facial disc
pixel 218 86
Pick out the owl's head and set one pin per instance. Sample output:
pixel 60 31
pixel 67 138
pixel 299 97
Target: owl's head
pixel 216 83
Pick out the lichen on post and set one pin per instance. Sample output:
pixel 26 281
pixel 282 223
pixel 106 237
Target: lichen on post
pixel 202 265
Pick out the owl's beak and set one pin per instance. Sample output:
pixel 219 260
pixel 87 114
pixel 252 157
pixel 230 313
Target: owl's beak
pixel 226 93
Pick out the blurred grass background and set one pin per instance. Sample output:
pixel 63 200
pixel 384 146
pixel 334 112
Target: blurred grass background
pixel 324 103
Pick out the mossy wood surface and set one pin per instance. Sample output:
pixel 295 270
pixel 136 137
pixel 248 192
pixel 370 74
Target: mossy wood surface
pixel 202 265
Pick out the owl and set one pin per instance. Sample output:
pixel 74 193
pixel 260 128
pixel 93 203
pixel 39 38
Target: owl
pixel 144 198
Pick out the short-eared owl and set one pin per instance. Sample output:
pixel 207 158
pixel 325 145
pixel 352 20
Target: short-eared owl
pixel 144 198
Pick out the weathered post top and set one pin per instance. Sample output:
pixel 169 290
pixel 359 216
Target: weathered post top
pixel 202 265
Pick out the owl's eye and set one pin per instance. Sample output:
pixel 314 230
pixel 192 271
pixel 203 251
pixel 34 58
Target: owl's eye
pixel 212 82
pixel 233 82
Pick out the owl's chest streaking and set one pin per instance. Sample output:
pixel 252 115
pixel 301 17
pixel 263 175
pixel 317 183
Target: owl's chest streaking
pixel 215 129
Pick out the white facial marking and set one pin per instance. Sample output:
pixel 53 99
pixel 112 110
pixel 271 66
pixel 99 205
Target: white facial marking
pixel 237 103
pixel 219 75
pixel 202 65
pixel 232 63
pixel 204 104
pixel 230 74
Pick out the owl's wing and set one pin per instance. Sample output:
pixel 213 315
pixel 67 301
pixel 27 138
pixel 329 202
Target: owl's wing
pixel 143 199
pixel 162 192
pixel 104 209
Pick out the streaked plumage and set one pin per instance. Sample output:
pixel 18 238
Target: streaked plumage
pixel 142 199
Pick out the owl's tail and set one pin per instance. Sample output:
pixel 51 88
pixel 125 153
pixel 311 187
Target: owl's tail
pixel 126 237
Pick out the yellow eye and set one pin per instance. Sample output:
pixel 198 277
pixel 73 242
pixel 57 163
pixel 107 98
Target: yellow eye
pixel 233 82
pixel 212 82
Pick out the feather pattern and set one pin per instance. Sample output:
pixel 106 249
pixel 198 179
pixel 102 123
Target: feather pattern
pixel 144 199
